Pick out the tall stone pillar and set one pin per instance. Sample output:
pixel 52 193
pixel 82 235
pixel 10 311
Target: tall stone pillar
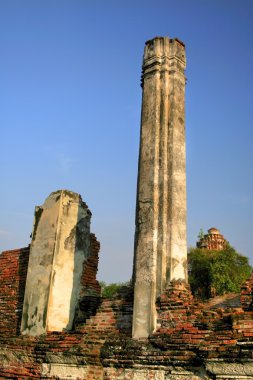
pixel 160 237
pixel 60 246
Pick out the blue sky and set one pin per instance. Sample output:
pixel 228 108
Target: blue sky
pixel 70 101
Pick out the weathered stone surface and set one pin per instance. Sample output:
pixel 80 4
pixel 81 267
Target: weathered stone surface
pixel 60 245
pixel 160 238
pixel 133 374
pixel 64 371
pixel 230 370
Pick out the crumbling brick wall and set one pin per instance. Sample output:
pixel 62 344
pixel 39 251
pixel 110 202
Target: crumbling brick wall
pixel 13 270
pixel 247 294
pixel 188 338
pixel 189 334
pixel 89 283
pixel 90 292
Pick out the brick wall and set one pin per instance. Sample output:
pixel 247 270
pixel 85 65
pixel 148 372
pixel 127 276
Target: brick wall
pixel 89 283
pixel 13 270
pixel 89 297
pixel 247 294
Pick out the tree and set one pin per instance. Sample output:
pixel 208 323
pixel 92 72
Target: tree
pixel 201 234
pixel 109 290
pixel 217 272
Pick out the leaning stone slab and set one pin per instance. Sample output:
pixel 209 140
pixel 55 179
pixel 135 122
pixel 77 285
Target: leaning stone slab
pixel 60 245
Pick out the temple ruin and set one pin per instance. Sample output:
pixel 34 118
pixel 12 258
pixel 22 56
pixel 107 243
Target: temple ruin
pixel 213 240
pixel 54 324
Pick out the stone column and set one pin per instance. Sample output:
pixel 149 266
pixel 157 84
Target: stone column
pixel 60 245
pixel 160 238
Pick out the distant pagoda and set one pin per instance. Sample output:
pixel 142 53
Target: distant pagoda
pixel 213 240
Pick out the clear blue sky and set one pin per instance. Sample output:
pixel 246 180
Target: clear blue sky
pixel 70 102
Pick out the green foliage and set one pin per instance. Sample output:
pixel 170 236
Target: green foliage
pixel 109 290
pixel 201 234
pixel 217 272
